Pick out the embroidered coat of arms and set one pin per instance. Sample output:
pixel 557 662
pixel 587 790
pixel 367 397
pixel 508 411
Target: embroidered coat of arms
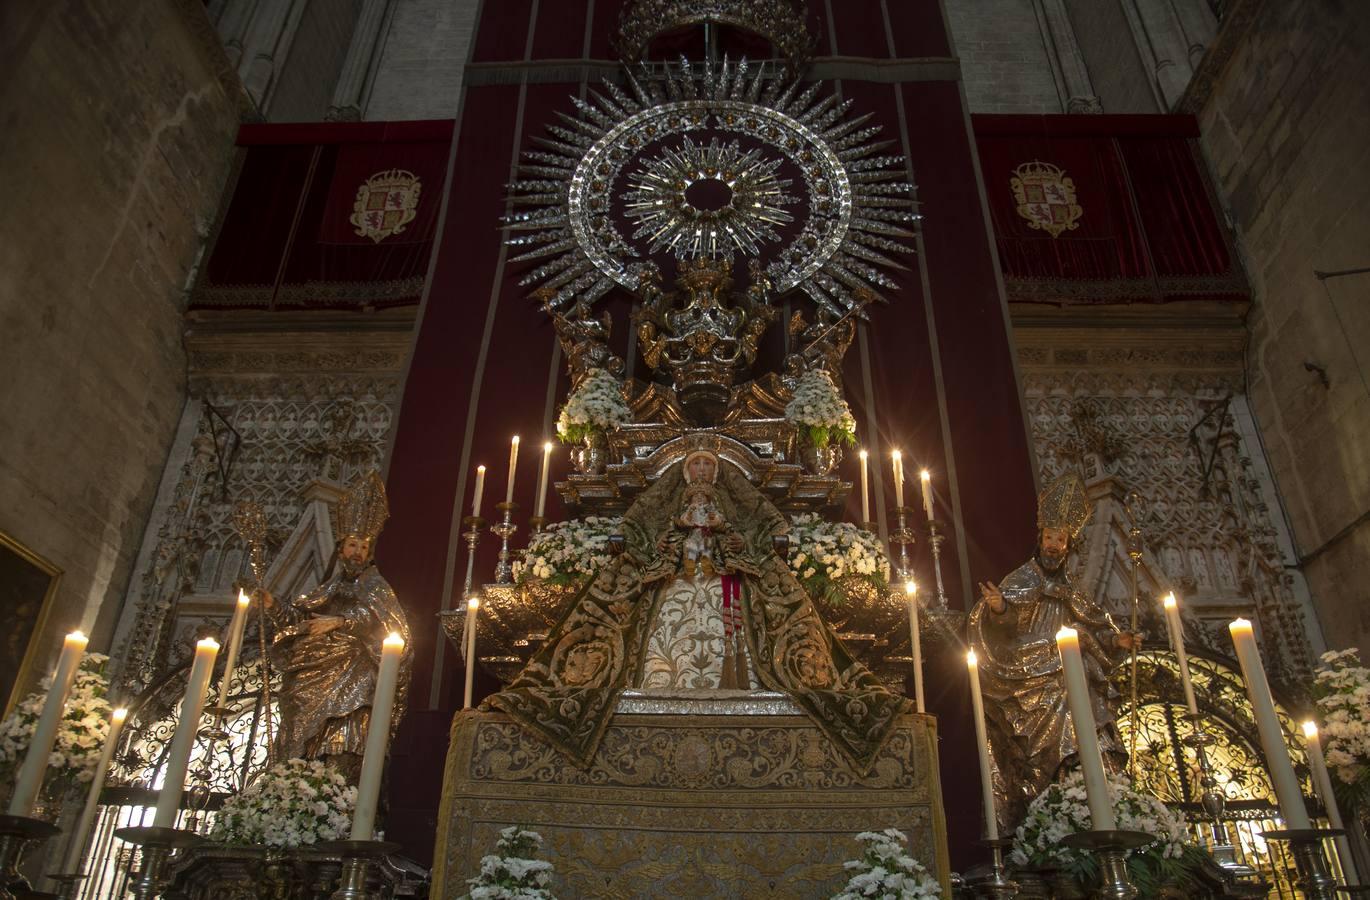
pixel 1046 197
pixel 386 202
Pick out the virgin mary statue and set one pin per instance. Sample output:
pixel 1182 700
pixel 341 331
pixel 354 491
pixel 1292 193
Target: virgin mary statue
pixel 698 599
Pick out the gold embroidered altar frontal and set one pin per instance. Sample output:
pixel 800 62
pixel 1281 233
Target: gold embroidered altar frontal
pixel 699 794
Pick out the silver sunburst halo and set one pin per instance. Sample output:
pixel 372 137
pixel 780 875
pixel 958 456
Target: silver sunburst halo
pixel 852 212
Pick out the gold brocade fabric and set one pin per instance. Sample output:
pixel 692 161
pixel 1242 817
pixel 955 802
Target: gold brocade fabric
pixel 567 692
pixel 328 680
pixel 1030 728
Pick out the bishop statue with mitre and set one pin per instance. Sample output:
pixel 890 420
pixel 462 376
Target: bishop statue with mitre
pixel 1012 630
pixel 327 643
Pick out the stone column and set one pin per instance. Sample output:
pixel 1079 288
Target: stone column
pixel 1161 41
pixel 263 39
pixel 232 19
pixel 1067 63
pixel 361 55
pixel 1199 26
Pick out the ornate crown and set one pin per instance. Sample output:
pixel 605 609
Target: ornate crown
pixel 1064 505
pixel 362 511
pixel 779 21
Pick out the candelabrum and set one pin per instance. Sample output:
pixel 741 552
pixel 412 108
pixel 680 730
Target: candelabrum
pixel 473 526
pixel 157 845
pixel 1110 849
pixel 16 834
pixel 936 537
pixel 536 524
pixel 996 885
pixel 1212 798
pixel 357 858
pixel 504 530
pixel 1315 878
pixel 67 884
pixel 903 536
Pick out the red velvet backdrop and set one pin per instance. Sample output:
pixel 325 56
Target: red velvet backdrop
pixel 933 375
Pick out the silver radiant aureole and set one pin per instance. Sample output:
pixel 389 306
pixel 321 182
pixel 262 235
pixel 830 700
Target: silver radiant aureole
pixel 621 181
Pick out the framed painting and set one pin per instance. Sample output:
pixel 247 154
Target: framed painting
pixel 28 582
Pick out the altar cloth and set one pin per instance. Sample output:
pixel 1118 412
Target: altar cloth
pixel 725 794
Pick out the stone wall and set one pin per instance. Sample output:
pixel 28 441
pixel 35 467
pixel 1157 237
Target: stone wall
pixel 305 85
pixel 117 138
pixel 1004 62
pixel 1111 55
pixel 1287 132
pixel 424 52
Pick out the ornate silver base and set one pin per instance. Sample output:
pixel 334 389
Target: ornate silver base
pixel 996 885
pixel 1315 879
pixel 16 834
pixel 1110 847
pixel 157 844
pixel 357 857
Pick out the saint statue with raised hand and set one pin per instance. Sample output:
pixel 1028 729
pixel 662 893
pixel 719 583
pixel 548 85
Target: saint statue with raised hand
pixel 648 621
pixel 1013 632
pixel 327 642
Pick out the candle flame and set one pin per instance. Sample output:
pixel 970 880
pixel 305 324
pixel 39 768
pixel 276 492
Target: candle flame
pixel 1169 601
pixel 119 715
pixel 77 637
pixel 394 640
pixel 516 440
pixel 547 447
pixel 1239 624
pixel 897 456
pixel 243 598
pixel 971 658
pixel 207 644
pixel 480 470
pixel 473 603
pixel 1310 729
pixel 925 475
pixel 1067 634
pixel 910 588
pixel 864 455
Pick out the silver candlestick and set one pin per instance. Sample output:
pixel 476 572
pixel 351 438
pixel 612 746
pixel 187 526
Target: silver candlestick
pixel 473 526
pixel 936 538
pixel 16 834
pixel 504 529
pixel 1212 798
pixel 357 858
pixel 996 885
pixel 157 844
pixel 1110 848
pixel 903 536
pixel 1315 878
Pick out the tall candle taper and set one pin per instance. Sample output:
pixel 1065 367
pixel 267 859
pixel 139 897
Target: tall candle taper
pixel 377 738
pixel 178 755
pixel 77 850
pixel 1086 737
pixel 898 477
pixel 480 491
pixel 1287 791
pixel 513 465
pixel 865 489
pixel 472 605
pixel 29 781
pixel 977 702
pixel 1176 629
pixel 926 478
pixel 1323 782
pixel 235 643
pixel 542 479
pixel 915 643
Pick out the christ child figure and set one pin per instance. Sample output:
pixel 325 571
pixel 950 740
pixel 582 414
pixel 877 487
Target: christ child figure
pixel 703 524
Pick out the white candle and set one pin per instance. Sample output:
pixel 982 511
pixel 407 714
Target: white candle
pixel 915 643
pixel 235 643
pixel 542 479
pixel 1176 629
pixel 1323 782
pixel 472 604
pixel 865 490
pixel 1287 792
pixel 480 491
pixel 982 745
pixel 926 478
pixel 77 850
pixel 377 738
pixel 513 464
pixel 1086 737
pixel 29 782
pixel 183 741
pixel 898 478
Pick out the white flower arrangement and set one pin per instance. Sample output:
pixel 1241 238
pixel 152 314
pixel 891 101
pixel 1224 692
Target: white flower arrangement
pixel 1341 689
pixel 80 736
pixel 593 408
pixel 819 411
pixel 821 552
pixel 886 871
pixel 1063 808
pixel 293 803
pixel 565 552
pixel 515 873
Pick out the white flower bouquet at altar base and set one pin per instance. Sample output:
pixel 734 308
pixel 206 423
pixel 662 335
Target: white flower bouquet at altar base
pixel 886 871
pixel 513 873
pixel 1341 690
pixel 565 552
pixel 80 736
pixel 819 411
pixel 1063 809
pixel 593 408
pixel 821 552
pixel 296 802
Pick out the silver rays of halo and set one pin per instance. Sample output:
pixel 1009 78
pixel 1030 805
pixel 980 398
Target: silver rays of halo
pixel 859 214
